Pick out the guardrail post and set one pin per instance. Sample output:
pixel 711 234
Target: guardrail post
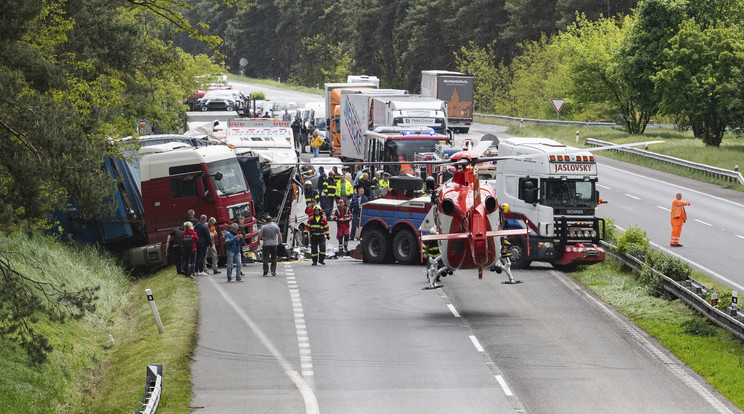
pixel 154 308
pixel 521 123
pixel 713 301
pixel 577 137
pixel 734 303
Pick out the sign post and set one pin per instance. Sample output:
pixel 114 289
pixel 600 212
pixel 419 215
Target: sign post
pixel 558 104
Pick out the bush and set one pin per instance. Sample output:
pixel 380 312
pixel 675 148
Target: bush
pixel 699 327
pixel 633 237
pixel 610 231
pixel 670 266
pixel 259 96
pixel 653 282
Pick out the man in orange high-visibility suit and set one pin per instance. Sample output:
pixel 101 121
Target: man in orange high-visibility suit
pixel 679 216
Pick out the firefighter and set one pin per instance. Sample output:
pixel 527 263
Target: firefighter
pixel 436 268
pixel 329 193
pixel 504 261
pixel 319 233
pixel 679 217
pixel 310 193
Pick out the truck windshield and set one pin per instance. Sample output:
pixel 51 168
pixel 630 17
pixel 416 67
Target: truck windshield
pixel 568 193
pixel 232 181
pixel 405 149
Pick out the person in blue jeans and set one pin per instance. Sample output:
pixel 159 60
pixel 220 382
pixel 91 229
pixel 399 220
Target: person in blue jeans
pixel 356 203
pixel 233 247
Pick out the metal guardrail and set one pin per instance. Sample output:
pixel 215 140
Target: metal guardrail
pixel 567 123
pixel 690 292
pixel 720 173
pixel 153 389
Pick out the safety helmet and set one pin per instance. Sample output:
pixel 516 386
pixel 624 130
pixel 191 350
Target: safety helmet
pixel 505 208
pixel 433 230
pixel 308 182
pixel 317 208
pixel 340 201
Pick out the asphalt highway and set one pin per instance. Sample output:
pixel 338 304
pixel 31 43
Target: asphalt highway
pixel 350 337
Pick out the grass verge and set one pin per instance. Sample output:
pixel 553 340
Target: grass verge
pixel 677 144
pixel 85 372
pixel 712 352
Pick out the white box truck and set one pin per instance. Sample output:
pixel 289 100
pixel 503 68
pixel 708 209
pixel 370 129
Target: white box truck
pixel 410 111
pixel 455 88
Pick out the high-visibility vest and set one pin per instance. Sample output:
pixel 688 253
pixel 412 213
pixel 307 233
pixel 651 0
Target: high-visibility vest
pixel 405 168
pixel 678 209
pixel 317 226
pixel 384 184
pixel 344 188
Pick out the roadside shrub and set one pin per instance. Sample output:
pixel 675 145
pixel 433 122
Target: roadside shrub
pixel 610 231
pixel 654 283
pixel 670 266
pixel 699 327
pixel 634 236
pixel 259 96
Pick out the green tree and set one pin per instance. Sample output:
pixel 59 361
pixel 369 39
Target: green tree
pixel 702 78
pixel 492 93
pixel 590 53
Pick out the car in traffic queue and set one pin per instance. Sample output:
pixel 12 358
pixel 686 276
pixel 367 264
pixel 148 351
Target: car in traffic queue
pixel 223 100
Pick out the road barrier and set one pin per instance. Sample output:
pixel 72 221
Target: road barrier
pixel 522 121
pixel 153 389
pixel 693 294
pixel 707 170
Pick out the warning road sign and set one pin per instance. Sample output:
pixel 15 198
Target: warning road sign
pixel 558 104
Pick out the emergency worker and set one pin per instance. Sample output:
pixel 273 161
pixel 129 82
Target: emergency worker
pixel 374 186
pixel 342 216
pixel 385 184
pixel 310 193
pixel 329 193
pixel 679 217
pixel 319 233
pixel 344 189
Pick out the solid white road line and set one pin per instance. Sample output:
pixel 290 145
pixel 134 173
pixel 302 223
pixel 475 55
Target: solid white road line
pixel 652 349
pixel 311 401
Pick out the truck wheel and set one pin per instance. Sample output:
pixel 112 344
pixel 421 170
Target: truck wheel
pixel 406 183
pixel 406 248
pixel 519 255
pixel 376 246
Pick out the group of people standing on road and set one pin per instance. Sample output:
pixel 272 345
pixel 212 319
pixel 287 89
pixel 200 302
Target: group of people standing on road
pixel 337 187
pixel 305 132
pixel 187 247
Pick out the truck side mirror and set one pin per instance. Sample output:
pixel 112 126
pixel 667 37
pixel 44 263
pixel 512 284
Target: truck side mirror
pixel 218 175
pixel 530 195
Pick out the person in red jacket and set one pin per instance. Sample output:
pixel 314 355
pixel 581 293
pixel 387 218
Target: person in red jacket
pixel 188 249
pixel 342 215
pixel 679 217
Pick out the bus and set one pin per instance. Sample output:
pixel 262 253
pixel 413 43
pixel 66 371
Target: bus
pixel 390 144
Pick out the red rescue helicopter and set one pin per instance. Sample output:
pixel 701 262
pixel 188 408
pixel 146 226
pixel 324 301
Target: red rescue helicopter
pixel 466 216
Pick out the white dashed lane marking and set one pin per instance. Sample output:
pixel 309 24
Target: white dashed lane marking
pixel 632 196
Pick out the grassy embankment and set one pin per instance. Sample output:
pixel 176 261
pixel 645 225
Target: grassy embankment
pixel 711 351
pixel 86 372
pixel 677 144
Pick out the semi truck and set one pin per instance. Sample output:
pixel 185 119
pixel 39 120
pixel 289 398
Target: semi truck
pixel 410 111
pixel 553 194
pixel 154 193
pixel 355 118
pixel 455 88
pixel 272 141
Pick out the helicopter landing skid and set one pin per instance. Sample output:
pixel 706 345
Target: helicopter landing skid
pixel 512 282
pixel 432 287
